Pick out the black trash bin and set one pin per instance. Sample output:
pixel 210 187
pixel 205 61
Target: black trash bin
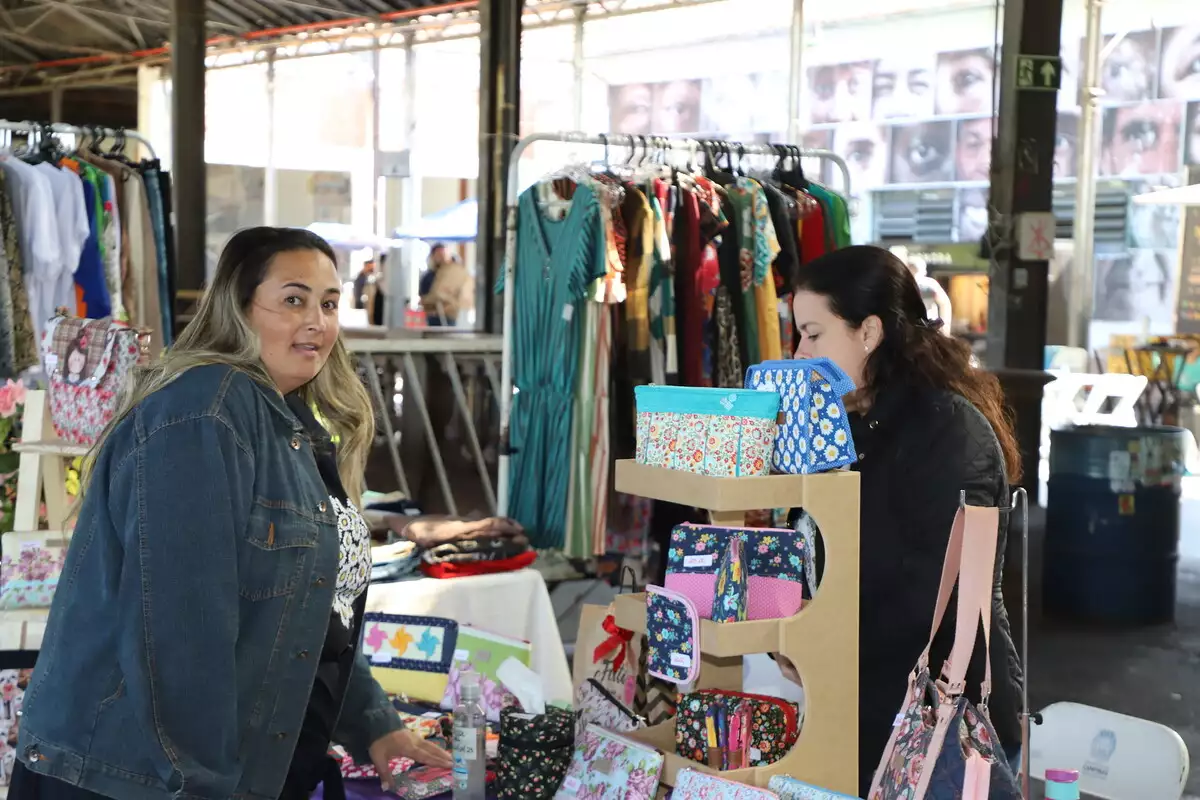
pixel 1112 523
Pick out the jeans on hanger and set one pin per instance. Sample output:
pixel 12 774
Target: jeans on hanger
pixel 159 220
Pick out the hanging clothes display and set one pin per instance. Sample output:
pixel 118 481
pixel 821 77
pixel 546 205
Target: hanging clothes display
pixel 643 272
pixel 84 229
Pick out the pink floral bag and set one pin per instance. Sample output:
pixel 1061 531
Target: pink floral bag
pixel 30 566
pixel 942 746
pixel 87 361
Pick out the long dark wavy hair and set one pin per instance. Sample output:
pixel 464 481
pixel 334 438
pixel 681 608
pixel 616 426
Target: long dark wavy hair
pixel 860 282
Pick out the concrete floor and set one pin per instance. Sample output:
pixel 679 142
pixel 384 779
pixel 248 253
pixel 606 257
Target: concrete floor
pixel 1151 673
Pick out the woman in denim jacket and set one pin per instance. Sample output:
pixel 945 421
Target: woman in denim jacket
pixel 202 642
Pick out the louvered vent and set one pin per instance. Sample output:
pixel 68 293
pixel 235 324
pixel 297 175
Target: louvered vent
pixel 914 216
pixel 1112 212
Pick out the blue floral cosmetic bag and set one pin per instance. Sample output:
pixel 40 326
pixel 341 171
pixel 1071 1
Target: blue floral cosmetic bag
pixel 814 434
pixel 672 636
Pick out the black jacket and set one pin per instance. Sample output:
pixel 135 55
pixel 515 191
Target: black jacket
pixel 917 449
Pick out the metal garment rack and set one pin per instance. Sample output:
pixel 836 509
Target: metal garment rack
pixel 74 130
pixel 694 147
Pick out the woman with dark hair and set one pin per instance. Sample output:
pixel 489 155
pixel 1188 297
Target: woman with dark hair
pixel 926 425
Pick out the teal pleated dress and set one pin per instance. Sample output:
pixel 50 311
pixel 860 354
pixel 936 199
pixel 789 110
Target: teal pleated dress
pixel 557 260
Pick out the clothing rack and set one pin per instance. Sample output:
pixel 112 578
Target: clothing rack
pixel 74 130
pixel 694 147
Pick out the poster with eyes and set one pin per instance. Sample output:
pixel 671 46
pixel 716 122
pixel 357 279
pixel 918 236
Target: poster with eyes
pixel 840 92
pixel 973 150
pixel 1191 135
pixel 1141 139
pixel 1066 146
pixel 921 153
pixel 1179 69
pixel 1128 74
pixel 864 146
pixel 666 108
pixel 1136 286
pixel 964 82
pixel 902 87
pixel 971 216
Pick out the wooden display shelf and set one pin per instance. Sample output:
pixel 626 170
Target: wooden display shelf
pixel 821 640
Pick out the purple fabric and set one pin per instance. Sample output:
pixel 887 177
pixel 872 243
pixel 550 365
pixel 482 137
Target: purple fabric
pixel 371 790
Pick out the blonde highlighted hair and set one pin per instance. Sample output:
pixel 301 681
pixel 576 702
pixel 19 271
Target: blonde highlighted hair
pixel 221 334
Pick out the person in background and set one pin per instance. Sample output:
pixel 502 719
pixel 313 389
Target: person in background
pixel 926 425
pixel 203 642
pixel 449 290
pixel 937 303
pixel 368 291
pixel 366 276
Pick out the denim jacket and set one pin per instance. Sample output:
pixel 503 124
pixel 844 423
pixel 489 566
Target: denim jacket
pixel 185 632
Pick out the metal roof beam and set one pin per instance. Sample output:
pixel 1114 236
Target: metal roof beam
pixel 77 13
pixel 236 20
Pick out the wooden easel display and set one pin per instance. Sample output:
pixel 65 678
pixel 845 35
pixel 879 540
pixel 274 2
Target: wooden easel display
pixel 822 640
pixel 43 467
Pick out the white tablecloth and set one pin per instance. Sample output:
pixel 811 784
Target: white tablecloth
pixel 514 604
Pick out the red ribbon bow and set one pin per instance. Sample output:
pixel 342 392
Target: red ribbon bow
pixel 617 641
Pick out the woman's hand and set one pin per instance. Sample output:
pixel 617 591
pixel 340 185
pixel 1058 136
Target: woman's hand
pixel 432 531
pixel 405 744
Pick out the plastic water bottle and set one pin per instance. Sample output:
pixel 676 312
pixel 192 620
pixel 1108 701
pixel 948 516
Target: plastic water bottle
pixel 470 749
pixel 1062 784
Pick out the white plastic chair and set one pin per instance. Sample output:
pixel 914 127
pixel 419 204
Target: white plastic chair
pixel 1118 757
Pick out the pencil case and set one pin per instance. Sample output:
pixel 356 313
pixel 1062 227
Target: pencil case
pixel 775 562
pixel 672 636
pixel 717 432
pixel 814 433
pixel 788 788
pixel 608 766
pixel 775 725
pixel 693 785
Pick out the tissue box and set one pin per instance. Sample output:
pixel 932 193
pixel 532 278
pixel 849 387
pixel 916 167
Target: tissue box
pixel 722 433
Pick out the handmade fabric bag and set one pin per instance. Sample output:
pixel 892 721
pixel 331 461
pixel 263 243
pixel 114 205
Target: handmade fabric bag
pixel 534 752
pixel 729 603
pixel 409 655
pixel 483 652
pixel 596 705
pixel 86 361
pixel 608 766
pixel 776 561
pixel 30 566
pixel 717 432
pixel 814 433
pixel 673 633
pixel 789 788
pixel 943 747
pixel 607 654
pixel 775 724
pixel 693 785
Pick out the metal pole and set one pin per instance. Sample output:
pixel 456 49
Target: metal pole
pixel 796 72
pixel 187 152
pixel 377 216
pixel 578 63
pixel 270 181
pixel 1079 306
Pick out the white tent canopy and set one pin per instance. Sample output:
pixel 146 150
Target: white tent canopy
pixel 1181 196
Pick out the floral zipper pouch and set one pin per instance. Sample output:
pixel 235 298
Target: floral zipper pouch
pixel 672 635
pixel 774 725
pixel 596 705
pixel 789 788
pixel 691 784
pixel 608 766
pixel 30 568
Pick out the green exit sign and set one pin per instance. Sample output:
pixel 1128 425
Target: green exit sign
pixel 1039 73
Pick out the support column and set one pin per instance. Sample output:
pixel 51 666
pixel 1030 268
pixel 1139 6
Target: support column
pixel 795 72
pixel 56 104
pixel 187 134
pixel 1079 282
pixel 270 179
pixel 499 127
pixel 1022 183
pixel 578 64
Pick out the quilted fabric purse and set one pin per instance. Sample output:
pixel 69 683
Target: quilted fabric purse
pixel 607 766
pixel 693 785
pixel 30 567
pixel 775 724
pixel 596 705
pixel 410 656
pixel 814 434
pixel 788 788
pixel 673 636
pixel 775 566
pixel 483 652
pixel 86 361
pixel 943 747
pixel 729 604
pixel 718 432
pixel 534 753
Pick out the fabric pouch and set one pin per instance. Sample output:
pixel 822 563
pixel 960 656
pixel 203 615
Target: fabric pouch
pixel 534 753
pixel 788 788
pixel 691 784
pixel 483 652
pixel 730 602
pixel 608 766
pixel 673 636
pixel 775 724
pixel 775 567
pixel 814 433
pixel 596 705
pixel 716 432
pixel 30 566
pixel 410 656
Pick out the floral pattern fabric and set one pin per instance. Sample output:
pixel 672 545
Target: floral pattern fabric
pixel 673 636
pixel 721 446
pixel 609 767
pixel 788 788
pixel 596 705
pixel 30 569
pixel 702 786
pixel 815 435
pixel 87 361
pixel 534 753
pixel 354 559
pixel 730 604
pixel 769 552
pixel 775 725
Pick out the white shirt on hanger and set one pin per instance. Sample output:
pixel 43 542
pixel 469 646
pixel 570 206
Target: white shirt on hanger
pixel 33 209
pixel 73 229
